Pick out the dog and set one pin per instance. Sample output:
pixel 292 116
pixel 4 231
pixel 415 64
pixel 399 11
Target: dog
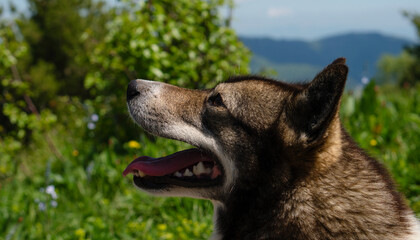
pixel 272 157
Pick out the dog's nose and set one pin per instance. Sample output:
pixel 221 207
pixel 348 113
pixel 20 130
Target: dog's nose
pixel 132 91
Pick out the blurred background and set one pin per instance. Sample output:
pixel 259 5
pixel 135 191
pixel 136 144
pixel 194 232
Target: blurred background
pixel 66 136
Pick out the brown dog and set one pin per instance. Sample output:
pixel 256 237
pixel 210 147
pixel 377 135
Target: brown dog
pixel 273 158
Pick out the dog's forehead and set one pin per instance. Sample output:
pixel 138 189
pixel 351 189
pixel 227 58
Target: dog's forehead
pixel 256 102
pixel 255 84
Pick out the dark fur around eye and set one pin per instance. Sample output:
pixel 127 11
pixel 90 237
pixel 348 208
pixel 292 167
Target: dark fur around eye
pixel 216 100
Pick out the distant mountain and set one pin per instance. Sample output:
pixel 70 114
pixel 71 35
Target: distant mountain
pixel 296 60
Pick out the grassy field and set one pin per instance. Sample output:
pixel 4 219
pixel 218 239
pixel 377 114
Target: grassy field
pixel 84 196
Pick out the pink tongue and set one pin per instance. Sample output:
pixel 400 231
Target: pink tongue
pixel 166 165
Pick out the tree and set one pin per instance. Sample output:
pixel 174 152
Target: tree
pixel 43 55
pixel 393 69
pixel 54 32
pixel 412 76
pixel 17 120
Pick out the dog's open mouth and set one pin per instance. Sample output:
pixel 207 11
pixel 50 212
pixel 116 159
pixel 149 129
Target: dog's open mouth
pixel 188 168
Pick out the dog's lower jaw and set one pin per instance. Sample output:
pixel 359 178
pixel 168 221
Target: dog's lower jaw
pixel 216 236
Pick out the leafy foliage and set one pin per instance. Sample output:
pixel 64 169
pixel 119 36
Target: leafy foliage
pixel 54 35
pixel 41 58
pixel 15 119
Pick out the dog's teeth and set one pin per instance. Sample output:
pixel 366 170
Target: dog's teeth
pixel 177 174
pixel 195 170
pixel 141 174
pixel 188 173
pixel 200 169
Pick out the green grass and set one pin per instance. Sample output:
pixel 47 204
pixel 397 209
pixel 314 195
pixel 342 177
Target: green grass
pixel 94 201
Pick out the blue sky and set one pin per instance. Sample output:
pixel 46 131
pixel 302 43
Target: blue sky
pixel 311 19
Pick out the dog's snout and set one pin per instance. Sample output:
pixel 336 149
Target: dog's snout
pixel 132 91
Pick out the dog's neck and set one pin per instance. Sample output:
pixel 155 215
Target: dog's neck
pixel 238 217
pixel 294 210
pixel 247 206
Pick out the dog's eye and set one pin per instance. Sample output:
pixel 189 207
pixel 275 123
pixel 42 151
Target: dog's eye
pixel 216 100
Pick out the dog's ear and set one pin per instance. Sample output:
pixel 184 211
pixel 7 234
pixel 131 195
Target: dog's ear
pixel 315 106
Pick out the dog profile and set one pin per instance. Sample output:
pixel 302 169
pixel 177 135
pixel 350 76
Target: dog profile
pixel 273 158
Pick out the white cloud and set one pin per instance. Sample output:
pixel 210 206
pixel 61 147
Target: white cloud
pixel 275 12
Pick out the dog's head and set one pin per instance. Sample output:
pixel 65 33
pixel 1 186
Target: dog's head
pixel 247 131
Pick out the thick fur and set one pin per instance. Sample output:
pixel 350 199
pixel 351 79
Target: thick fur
pixel 290 170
